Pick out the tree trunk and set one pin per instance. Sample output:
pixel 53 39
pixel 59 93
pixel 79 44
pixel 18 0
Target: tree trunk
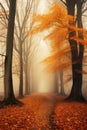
pixel 26 79
pixel 58 78
pixel 56 85
pixel 8 82
pixel 21 73
pixel 76 54
pixel 61 83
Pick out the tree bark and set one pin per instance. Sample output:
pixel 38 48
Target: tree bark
pixel 21 73
pixel 26 78
pixel 76 54
pixel 56 85
pixel 61 83
pixel 8 82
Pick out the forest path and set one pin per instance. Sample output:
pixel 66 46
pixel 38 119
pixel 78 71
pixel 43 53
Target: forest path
pixel 44 112
pixel 44 105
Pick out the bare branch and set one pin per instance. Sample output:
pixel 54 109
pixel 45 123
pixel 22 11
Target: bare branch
pixel 2 76
pixel 63 2
pixel 15 47
pixel 2 55
pixel 4 11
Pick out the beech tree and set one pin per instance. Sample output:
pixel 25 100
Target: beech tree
pixel 8 82
pixel 77 49
pixel 62 29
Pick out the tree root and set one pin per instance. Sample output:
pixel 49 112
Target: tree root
pixel 10 101
pixel 75 98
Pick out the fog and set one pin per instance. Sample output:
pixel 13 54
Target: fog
pixel 39 79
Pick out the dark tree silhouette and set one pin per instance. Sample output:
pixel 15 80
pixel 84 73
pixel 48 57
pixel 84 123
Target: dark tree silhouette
pixel 8 82
pixel 76 54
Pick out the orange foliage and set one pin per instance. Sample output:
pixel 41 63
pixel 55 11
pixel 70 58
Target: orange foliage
pixel 71 116
pixel 4 14
pixel 82 41
pixel 60 25
pixel 44 112
pixel 58 59
pixel 55 17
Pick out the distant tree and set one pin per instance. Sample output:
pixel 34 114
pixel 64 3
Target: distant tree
pixel 23 44
pixel 3 26
pixel 56 82
pixel 62 27
pixel 61 83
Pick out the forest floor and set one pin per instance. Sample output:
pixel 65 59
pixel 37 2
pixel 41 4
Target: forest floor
pixel 44 112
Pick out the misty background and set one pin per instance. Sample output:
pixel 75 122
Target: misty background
pixel 38 79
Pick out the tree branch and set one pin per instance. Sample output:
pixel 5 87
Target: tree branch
pixel 2 55
pixel 63 2
pixel 4 10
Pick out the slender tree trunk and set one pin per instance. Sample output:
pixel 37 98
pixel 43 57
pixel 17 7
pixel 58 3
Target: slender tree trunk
pixel 21 73
pixel 56 85
pixel 31 79
pixel 61 83
pixel 77 54
pixel 58 78
pixel 26 79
